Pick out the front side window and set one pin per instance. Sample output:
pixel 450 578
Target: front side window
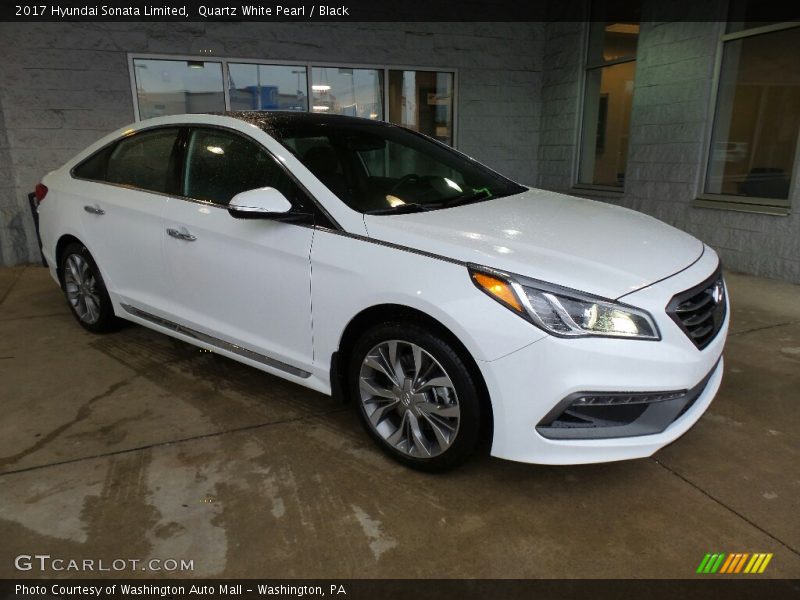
pixel 756 119
pixel 383 169
pixel 221 164
pixel 607 103
pixel 172 87
pixel 145 160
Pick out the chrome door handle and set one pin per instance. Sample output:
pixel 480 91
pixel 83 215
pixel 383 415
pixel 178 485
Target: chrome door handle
pixel 181 235
pixel 95 210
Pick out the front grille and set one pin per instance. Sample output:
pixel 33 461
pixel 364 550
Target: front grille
pixel 700 311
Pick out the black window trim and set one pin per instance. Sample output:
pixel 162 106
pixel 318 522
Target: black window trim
pixel 321 217
pixel 110 145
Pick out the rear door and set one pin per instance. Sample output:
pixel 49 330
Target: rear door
pixel 122 212
pixel 245 282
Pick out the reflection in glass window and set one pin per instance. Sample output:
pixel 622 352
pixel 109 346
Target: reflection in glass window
pixel 145 160
pixel 267 87
pixel 757 117
pixel 422 101
pixel 612 41
pixel 376 167
pixel 345 91
pixel 606 122
pixel 170 87
pixel 221 164
pixel 608 98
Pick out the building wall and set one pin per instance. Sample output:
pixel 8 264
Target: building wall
pixel 62 86
pixel 671 117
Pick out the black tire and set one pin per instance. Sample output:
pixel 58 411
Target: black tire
pixel 445 357
pixel 101 319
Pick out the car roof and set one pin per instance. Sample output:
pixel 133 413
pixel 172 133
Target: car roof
pixel 275 121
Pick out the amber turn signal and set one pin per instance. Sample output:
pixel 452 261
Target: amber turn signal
pixel 498 289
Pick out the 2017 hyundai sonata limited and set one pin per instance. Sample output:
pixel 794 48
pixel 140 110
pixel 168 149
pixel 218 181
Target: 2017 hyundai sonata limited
pixel 445 300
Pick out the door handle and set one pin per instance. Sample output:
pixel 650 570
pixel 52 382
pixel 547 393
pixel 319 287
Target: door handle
pixel 94 210
pixel 181 235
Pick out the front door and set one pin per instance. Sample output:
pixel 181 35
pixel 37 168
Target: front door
pixel 243 282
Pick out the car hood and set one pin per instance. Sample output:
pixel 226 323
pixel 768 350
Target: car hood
pixel 583 244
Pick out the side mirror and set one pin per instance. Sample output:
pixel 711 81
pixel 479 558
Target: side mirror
pixel 261 203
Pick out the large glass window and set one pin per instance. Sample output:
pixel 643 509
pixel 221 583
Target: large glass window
pixel 380 169
pixel 345 91
pixel 423 101
pixel 267 87
pixel 221 164
pixel 608 98
pixel 171 87
pixel 757 117
pixel 145 160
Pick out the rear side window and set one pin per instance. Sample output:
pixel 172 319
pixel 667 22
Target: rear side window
pixel 95 166
pixel 145 160
pixel 221 164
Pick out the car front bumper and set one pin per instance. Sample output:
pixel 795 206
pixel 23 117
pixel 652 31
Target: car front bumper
pixel 525 386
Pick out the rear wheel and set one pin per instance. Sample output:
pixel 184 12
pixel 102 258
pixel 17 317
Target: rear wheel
pixel 415 396
pixel 85 290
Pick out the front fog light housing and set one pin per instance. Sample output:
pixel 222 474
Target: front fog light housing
pixel 564 312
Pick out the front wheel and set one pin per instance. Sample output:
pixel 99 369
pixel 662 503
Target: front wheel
pixel 415 396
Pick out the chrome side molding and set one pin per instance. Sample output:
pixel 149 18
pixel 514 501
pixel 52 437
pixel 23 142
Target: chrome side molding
pixel 221 344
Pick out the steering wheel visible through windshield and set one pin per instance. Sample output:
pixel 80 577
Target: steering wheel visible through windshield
pixel 382 169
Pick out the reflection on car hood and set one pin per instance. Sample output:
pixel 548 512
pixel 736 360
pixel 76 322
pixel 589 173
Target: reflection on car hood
pixel 583 244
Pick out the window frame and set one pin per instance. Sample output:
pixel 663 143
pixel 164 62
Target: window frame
pixel 184 140
pixel 604 190
pixel 309 65
pixel 111 146
pixel 319 215
pixel 768 206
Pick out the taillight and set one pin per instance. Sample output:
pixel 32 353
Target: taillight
pixel 40 191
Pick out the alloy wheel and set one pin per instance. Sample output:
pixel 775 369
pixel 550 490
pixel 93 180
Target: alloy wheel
pixel 81 287
pixel 409 399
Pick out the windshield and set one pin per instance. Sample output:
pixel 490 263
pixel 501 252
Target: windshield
pixel 381 169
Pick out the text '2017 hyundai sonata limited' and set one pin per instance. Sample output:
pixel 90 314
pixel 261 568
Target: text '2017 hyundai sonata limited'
pixel 444 299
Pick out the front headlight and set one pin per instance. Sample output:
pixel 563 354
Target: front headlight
pixel 564 312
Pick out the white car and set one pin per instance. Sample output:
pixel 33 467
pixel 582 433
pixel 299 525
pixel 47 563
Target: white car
pixel 356 257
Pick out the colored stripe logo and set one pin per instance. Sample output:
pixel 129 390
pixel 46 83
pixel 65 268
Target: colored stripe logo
pixel 731 564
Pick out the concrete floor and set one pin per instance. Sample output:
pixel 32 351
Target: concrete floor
pixel 134 445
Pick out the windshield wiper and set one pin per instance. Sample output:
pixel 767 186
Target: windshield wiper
pixel 400 209
pixel 481 194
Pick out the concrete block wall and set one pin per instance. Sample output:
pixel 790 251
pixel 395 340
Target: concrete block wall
pixel 62 86
pixel 670 122
pixel 561 85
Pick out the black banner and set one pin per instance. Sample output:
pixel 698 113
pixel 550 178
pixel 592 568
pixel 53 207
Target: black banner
pixel 715 587
pixel 375 10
